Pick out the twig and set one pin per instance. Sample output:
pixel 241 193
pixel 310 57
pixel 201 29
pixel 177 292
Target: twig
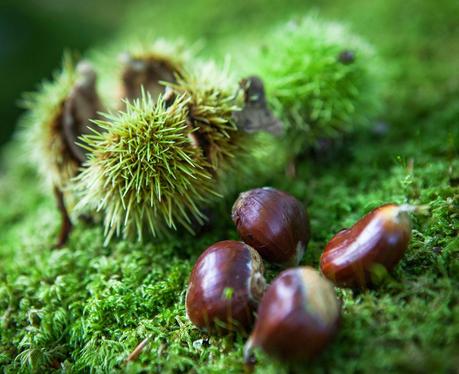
pixel 138 350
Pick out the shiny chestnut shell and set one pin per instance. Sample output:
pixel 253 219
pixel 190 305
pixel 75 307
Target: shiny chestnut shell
pixel 225 286
pixel 378 239
pixel 297 318
pixel 274 223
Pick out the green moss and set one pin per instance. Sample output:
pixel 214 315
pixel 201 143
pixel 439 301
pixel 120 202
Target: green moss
pixel 87 306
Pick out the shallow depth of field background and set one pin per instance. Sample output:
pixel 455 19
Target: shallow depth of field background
pixel 86 306
pixel 33 33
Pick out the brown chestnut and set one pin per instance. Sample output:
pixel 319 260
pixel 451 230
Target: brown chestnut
pixel 378 239
pixel 225 287
pixel 298 316
pixel 274 223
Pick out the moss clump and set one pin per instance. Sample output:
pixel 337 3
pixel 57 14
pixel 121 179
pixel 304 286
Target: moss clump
pixel 88 306
pixel 321 80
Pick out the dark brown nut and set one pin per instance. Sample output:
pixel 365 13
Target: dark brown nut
pixel 297 318
pixel 274 223
pixel 379 239
pixel 225 287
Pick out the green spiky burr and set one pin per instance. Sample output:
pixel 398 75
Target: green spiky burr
pixel 43 127
pixel 57 115
pixel 214 97
pixel 157 163
pixel 321 80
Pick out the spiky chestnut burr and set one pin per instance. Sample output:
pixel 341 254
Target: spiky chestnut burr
pixel 145 170
pixel 213 98
pixel 321 80
pixel 378 239
pixel 274 223
pixel 297 318
pixel 205 145
pixel 57 115
pixel 148 67
pixel 225 287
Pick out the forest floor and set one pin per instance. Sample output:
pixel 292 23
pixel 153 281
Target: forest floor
pixel 87 306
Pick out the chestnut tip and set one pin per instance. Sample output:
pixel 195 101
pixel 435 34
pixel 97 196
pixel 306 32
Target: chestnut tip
pixel 124 58
pixel 87 73
pixel 131 62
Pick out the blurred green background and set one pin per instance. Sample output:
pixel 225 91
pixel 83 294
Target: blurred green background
pixel 33 34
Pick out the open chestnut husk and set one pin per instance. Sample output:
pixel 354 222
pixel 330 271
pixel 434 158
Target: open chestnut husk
pixel 380 238
pixel 297 318
pixel 274 223
pixel 225 287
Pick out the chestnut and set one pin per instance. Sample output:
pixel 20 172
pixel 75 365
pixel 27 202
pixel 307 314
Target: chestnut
pixel 378 239
pixel 297 318
pixel 274 223
pixel 225 287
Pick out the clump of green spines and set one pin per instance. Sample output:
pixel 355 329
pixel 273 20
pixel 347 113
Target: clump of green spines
pixel 144 169
pixel 43 131
pixel 213 96
pixel 319 78
pixel 58 114
pixel 156 163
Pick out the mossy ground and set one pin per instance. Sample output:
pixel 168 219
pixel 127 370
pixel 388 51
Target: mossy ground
pixel 87 306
